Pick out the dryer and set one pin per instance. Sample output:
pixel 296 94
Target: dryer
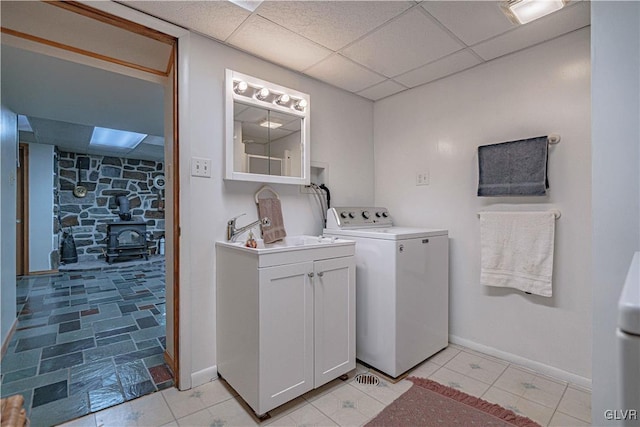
pixel 402 287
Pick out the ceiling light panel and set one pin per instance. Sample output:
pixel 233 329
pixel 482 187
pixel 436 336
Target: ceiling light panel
pixel 270 124
pixel 570 18
pixel 525 11
pixel 23 124
pixel 114 138
pixel 250 5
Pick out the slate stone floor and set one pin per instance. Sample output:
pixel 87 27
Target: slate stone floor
pixel 87 340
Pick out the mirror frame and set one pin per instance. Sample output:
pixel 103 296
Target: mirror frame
pixel 231 78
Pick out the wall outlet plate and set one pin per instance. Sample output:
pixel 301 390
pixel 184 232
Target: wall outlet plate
pixel 422 178
pixel 201 167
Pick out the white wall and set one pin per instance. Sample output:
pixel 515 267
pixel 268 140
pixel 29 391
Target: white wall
pixel 615 46
pixel 40 206
pixel 341 135
pixel 8 156
pixel 437 128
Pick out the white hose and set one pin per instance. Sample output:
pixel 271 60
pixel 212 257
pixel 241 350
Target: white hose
pixel 317 192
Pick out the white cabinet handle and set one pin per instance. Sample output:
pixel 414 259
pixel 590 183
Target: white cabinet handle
pixel 310 274
pixel 321 274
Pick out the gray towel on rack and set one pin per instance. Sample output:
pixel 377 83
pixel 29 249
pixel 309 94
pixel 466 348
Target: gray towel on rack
pixel 515 168
pixel 271 208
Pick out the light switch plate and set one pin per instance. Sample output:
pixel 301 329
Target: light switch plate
pixel 201 167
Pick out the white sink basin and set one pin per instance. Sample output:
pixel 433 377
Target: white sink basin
pixel 292 249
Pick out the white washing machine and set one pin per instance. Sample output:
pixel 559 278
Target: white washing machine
pixel 402 288
pixel 629 347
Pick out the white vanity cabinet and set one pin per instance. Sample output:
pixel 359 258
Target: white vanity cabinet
pixel 284 329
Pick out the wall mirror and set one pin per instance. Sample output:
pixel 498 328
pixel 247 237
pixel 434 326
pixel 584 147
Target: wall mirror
pixel 267 131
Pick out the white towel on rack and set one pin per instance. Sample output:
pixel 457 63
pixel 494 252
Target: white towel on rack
pixel 517 250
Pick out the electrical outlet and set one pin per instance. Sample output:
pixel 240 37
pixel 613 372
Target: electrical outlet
pixel 422 178
pixel 201 167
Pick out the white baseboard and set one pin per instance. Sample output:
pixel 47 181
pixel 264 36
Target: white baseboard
pixel 204 376
pixel 527 363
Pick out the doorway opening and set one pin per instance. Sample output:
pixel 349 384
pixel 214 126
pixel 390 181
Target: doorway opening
pixel 101 330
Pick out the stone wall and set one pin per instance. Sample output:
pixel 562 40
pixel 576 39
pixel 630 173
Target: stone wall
pixel 106 179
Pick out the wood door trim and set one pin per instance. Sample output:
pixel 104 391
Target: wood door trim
pixel 82 52
pixel 24 177
pixel 99 15
pixel 133 27
pixel 176 224
pixel 43 272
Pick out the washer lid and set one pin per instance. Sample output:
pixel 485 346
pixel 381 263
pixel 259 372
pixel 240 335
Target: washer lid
pixel 629 303
pixel 388 233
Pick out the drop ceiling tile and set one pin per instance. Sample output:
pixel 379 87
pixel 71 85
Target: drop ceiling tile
pixel 403 44
pixel 333 24
pixel 471 21
pixel 270 41
pixel 60 133
pixel 154 140
pixel 382 90
pixel 443 67
pixel 217 19
pixel 556 24
pixel 147 151
pixel 344 73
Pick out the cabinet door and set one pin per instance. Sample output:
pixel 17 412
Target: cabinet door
pixel 335 303
pixel 286 334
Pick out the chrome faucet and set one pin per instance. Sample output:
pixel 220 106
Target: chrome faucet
pixel 233 232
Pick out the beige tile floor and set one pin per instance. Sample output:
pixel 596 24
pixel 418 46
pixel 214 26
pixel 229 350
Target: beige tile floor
pixel 548 401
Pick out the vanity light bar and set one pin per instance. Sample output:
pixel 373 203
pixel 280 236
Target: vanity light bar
pixel 241 87
pixel 262 93
pixel 283 99
pixel 300 105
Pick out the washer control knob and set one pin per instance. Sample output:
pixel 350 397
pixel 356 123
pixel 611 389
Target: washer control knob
pixel 378 214
pixel 352 215
pixel 384 214
pixel 343 214
pixel 366 214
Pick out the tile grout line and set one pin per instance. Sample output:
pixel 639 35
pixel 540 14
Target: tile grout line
pixel 166 402
pixel 558 404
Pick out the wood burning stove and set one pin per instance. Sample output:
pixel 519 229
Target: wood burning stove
pixel 126 239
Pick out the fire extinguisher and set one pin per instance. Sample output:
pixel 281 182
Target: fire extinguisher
pixel 161 249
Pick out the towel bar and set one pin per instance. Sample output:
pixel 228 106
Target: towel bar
pixel 265 188
pixel 553 138
pixel 555 212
